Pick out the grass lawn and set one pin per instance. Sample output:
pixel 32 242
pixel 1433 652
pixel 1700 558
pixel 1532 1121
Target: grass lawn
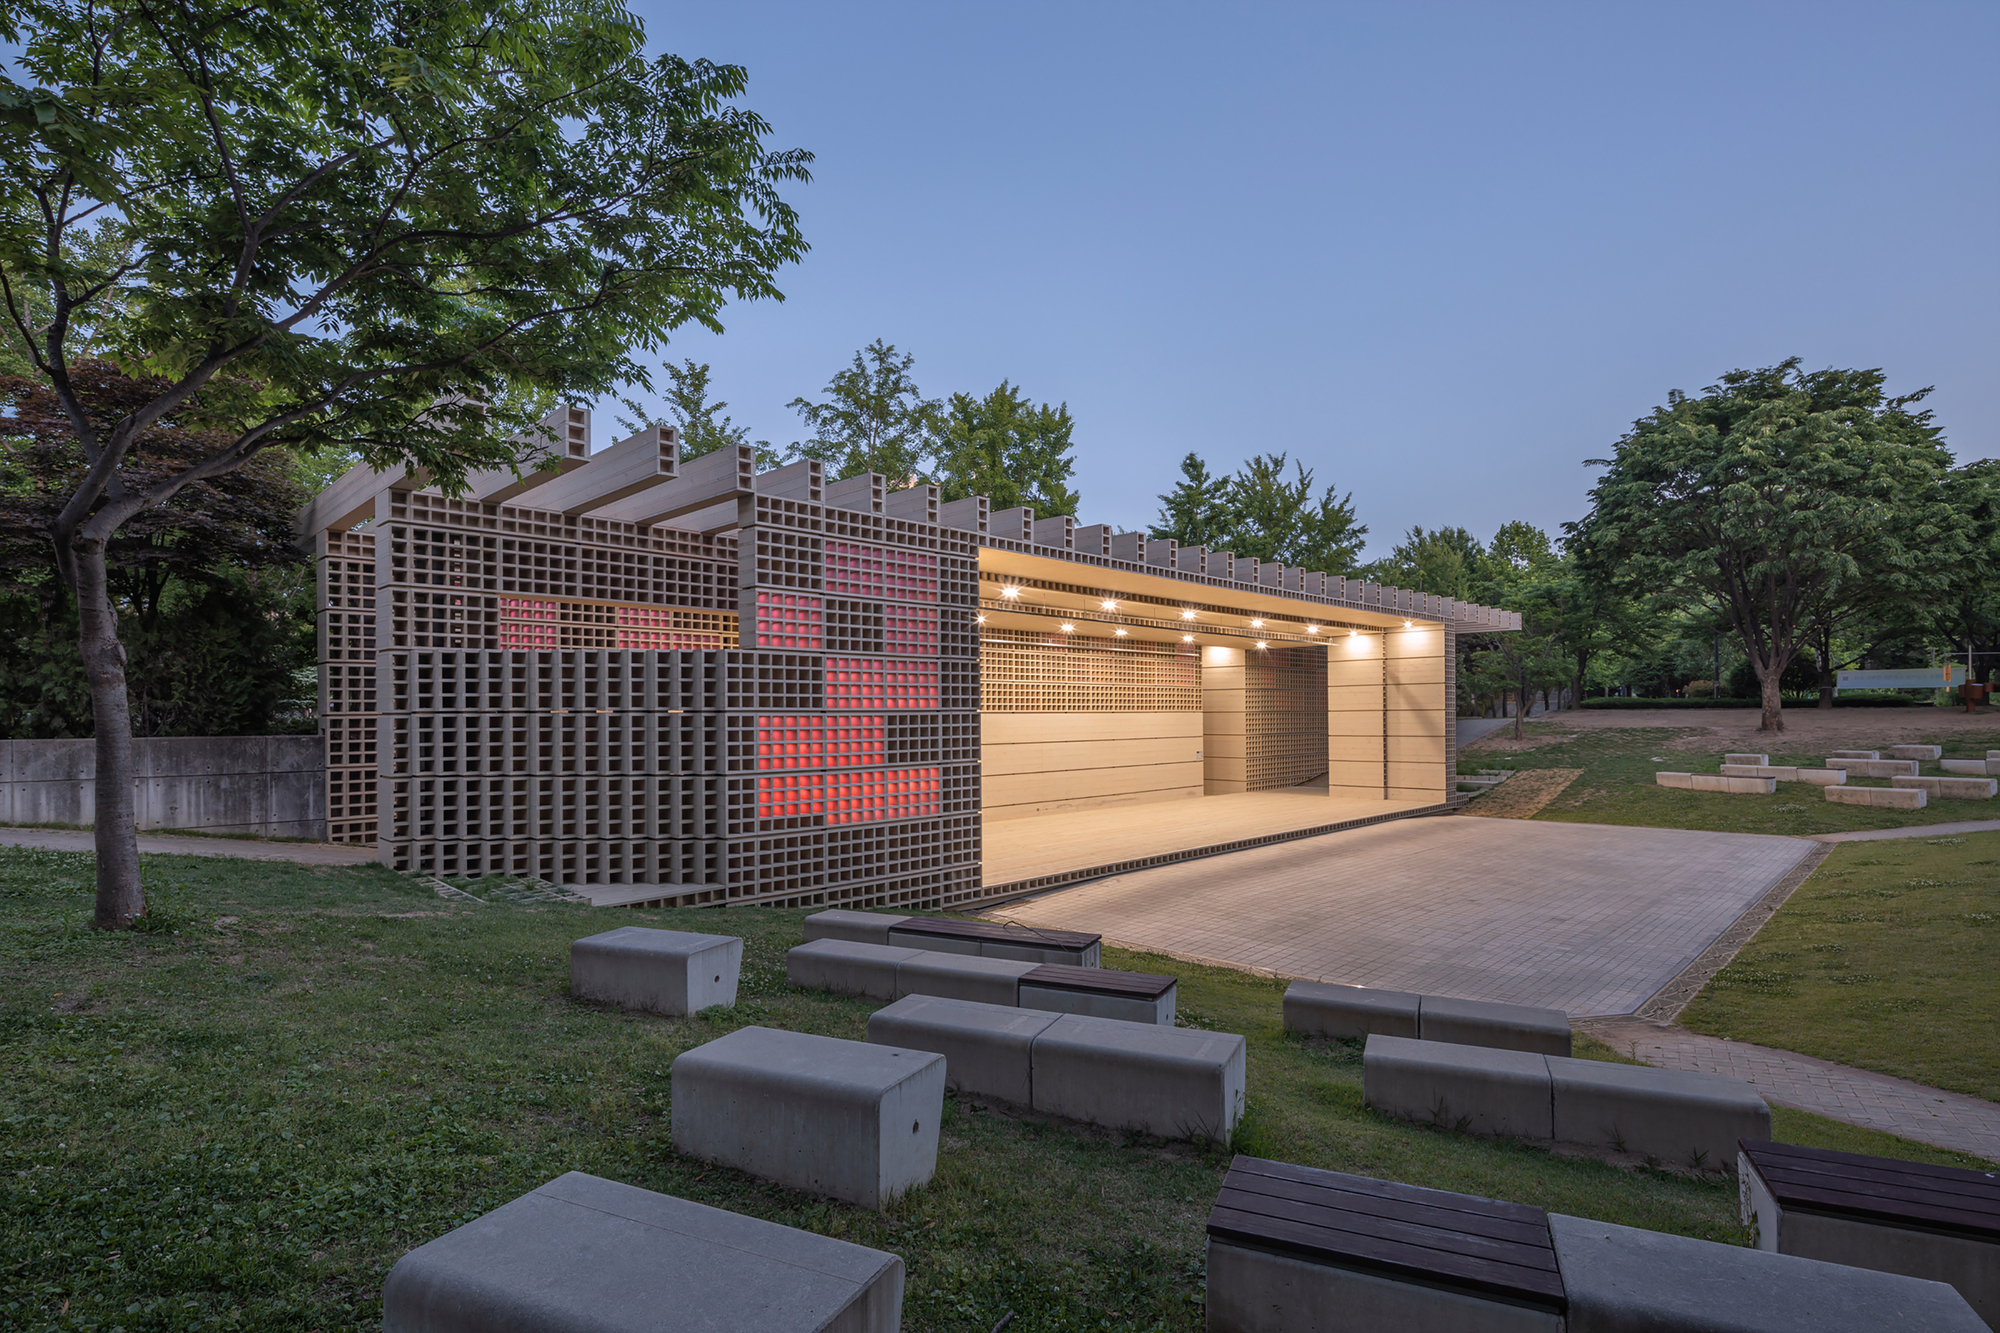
pixel 1617 786
pixel 240 1122
pixel 1885 959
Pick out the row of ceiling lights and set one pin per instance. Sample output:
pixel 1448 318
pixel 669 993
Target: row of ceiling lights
pixel 1012 593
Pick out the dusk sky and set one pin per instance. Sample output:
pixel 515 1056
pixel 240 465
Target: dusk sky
pixel 1441 253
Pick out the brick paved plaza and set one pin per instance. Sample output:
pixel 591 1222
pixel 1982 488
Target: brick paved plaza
pixel 1590 919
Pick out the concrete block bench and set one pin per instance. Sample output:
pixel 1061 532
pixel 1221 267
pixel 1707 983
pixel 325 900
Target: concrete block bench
pixel 1135 997
pixel 1856 754
pixel 1722 782
pixel 1888 798
pixel 995 939
pixel 960 976
pixel 848 1119
pixel 1317 1008
pixel 848 967
pixel 1680 1118
pixel 1955 788
pixel 1976 768
pixel 1752 760
pixel 587 1255
pixel 856 927
pixel 663 971
pixel 1293 1249
pixel 1874 768
pixel 1167 1081
pixel 1819 777
pixel 1936 1222
pixel 1918 752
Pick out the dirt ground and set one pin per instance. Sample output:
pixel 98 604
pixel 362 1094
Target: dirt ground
pixel 1736 729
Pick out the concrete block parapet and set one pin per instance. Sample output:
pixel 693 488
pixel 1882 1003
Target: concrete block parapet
pixel 1672 1115
pixel 1874 768
pixel 1952 788
pixel 1889 798
pixel 858 927
pixel 985 1046
pixel 1510 1027
pixel 1919 752
pixel 1470 1088
pixel 846 1119
pixel 1176 1083
pixel 1322 1009
pixel 849 967
pixel 1754 760
pixel 586 1255
pixel 660 971
pixel 1624 1280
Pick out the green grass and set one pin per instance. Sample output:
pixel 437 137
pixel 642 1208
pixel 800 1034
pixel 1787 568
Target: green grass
pixel 1884 959
pixel 240 1119
pixel 1617 785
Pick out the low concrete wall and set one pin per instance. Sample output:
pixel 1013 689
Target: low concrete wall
pixel 273 786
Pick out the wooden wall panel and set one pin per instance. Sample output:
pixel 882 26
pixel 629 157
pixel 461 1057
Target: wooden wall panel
pixel 1039 763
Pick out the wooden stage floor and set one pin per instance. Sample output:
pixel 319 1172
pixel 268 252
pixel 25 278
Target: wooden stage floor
pixel 1044 851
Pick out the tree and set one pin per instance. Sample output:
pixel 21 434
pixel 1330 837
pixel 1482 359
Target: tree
pixel 1196 511
pixel 873 419
pixel 1773 495
pixel 1446 561
pixel 1966 614
pixel 379 227
pixel 694 416
pixel 1009 449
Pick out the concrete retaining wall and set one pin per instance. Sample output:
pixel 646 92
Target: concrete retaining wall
pixel 273 786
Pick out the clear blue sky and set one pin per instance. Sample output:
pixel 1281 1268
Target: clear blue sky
pixel 1442 253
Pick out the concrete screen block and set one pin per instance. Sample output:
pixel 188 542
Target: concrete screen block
pixel 586 1255
pixel 847 967
pixel 986 1047
pixel 1678 1117
pixel 1254 1290
pixel 1471 1088
pixel 859 927
pixel 1918 752
pixel 1821 777
pixel 1954 788
pixel 842 1118
pixel 1627 1280
pixel 1756 760
pixel 1320 1009
pixel 1889 798
pixel 957 977
pixel 662 971
pixel 1173 1082
pixel 1507 1027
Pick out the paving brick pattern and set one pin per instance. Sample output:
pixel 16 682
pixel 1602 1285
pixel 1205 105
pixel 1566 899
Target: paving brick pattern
pixel 1590 919
pixel 1873 1101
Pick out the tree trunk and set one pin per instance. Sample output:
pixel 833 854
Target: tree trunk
pixel 1826 675
pixel 120 898
pixel 1774 705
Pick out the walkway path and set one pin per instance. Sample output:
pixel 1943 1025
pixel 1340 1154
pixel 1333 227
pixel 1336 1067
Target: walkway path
pixel 1839 1092
pixel 155 844
pixel 1915 831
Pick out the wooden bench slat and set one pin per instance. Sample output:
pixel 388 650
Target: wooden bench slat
pixel 1542 1286
pixel 996 930
pixel 1419 1232
pixel 1796 1155
pixel 1880 1188
pixel 1100 981
pixel 1848 1180
pixel 1390 1189
pixel 1502 1229
pixel 1935 1214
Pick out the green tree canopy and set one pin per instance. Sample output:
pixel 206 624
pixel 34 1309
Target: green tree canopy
pixel 702 424
pixel 379 226
pixel 1774 495
pixel 1009 448
pixel 1260 512
pixel 872 419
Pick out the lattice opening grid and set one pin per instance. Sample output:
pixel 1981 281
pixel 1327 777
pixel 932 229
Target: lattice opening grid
pixel 852 569
pixel 1023 671
pixel 1284 717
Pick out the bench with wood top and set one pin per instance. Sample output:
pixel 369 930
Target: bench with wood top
pixel 1936 1222
pixel 1294 1249
pixel 1135 997
pixel 998 939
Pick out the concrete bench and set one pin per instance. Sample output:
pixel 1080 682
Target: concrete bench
pixel 1856 754
pixel 1722 782
pixel 996 939
pixel 847 1119
pixel 1888 798
pixel 1919 752
pixel 1936 1222
pixel 1977 768
pixel 856 927
pixel 1293 1248
pixel 960 976
pixel 1754 760
pixel 1680 1118
pixel 1135 997
pixel 662 971
pixel 587 1255
pixel 1874 768
pixel 1624 1279
pixel 848 967
pixel 1819 777
pixel 1955 788
pixel 1316 1008
pixel 1171 1082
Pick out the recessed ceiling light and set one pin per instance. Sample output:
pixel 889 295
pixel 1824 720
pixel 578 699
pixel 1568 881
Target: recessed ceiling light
pixel 1109 604
pixel 1262 644
pixel 1120 633
pixel 1069 629
pixel 1010 592
pixel 1256 624
pixel 1187 638
pixel 1187 615
pixel 1312 629
pixel 981 620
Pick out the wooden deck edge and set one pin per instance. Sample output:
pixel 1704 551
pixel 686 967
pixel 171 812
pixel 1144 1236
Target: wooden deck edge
pixel 991 894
